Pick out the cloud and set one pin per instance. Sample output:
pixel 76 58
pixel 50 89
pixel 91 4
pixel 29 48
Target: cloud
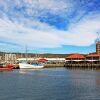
pixel 22 35
pixel 20 24
pixel 54 6
pixel 34 8
pixel 82 33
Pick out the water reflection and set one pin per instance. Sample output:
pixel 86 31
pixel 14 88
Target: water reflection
pixel 28 71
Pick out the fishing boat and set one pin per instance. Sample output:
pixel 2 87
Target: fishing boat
pixel 26 65
pixel 7 67
pixel 29 65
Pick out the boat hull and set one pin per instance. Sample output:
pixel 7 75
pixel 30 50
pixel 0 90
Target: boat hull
pixel 7 67
pixel 29 66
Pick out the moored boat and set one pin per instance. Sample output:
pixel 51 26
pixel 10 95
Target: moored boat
pixel 26 65
pixel 7 67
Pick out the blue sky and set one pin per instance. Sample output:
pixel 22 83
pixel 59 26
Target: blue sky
pixel 49 26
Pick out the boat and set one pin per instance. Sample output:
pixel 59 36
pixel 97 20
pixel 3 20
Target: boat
pixel 7 67
pixel 26 65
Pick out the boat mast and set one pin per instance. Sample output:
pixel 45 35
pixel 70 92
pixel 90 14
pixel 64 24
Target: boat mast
pixel 26 55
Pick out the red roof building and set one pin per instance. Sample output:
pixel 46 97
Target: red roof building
pixel 42 60
pixel 75 56
pixel 93 55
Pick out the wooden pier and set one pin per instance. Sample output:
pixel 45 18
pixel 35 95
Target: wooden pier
pixel 85 65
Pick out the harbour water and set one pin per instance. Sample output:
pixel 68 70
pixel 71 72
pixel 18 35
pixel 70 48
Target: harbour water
pixel 50 84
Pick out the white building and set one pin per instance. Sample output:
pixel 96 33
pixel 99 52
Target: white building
pixel 49 59
pixel 10 58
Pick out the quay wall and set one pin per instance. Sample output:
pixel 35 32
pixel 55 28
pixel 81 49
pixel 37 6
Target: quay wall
pixel 85 65
pixel 53 65
pixel 16 66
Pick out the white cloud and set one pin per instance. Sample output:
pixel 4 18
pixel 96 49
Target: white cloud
pixel 22 35
pixel 51 5
pixel 82 33
pixel 37 8
pixel 41 35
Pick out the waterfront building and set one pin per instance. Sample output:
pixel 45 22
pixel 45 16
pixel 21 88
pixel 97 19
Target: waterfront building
pixel 10 58
pixel 83 61
pixel 98 47
pixel 93 58
pixel 50 60
pixel 75 58
pixel 0 59
pixel 83 58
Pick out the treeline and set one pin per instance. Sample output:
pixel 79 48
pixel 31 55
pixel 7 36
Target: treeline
pixel 47 55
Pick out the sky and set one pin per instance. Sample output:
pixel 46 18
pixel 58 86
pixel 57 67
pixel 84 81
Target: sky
pixel 49 26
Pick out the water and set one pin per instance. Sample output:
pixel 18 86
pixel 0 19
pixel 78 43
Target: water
pixel 50 84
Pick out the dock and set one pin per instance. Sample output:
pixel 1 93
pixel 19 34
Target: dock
pixel 85 65
pixel 54 65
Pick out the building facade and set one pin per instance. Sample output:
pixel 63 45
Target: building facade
pixel 10 58
pixel 98 47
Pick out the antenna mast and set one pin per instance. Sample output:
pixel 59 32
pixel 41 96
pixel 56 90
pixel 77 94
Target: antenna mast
pixel 98 37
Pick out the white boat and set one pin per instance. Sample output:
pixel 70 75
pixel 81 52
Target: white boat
pixel 26 65
pixel 30 66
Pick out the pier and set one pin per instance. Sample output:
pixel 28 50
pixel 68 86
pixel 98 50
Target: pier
pixel 54 65
pixel 84 66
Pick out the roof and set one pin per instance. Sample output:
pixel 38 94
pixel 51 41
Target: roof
pixel 76 56
pixel 42 60
pixel 93 55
